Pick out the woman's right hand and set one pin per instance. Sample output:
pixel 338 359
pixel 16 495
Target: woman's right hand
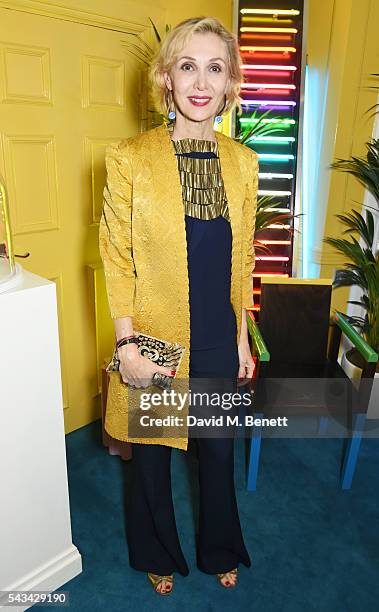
pixel 137 370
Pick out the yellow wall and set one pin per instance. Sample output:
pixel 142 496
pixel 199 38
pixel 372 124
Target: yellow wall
pixel 177 11
pixel 343 46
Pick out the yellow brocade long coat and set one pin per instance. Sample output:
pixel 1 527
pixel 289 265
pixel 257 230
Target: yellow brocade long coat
pixel 143 245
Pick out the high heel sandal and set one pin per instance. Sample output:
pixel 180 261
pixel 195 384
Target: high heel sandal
pixel 156 580
pixel 221 576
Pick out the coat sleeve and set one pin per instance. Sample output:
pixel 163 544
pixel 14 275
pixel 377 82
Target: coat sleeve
pixel 248 231
pixel 115 232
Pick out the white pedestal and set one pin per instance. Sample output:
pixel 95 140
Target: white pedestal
pixel 36 550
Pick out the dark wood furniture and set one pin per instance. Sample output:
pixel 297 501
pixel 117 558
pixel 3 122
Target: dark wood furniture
pixel 297 370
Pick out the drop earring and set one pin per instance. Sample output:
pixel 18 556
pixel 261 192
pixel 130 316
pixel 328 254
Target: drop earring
pixel 218 117
pixel 172 113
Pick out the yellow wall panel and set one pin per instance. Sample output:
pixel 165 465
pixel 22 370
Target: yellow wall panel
pixel 26 73
pixel 103 83
pixel 31 170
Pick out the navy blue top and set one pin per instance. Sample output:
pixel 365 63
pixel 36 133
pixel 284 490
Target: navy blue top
pixel 209 246
pixel 209 250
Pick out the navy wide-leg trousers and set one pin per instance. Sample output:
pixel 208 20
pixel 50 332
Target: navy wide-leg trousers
pixel 153 540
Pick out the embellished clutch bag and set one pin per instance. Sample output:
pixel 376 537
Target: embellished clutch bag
pixel 167 354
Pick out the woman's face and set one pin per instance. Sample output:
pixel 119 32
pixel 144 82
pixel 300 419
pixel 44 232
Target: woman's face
pixel 199 77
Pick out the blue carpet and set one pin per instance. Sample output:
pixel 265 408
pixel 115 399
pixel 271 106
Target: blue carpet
pixel 312 545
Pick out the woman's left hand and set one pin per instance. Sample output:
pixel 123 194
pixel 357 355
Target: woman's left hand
pixel 247 365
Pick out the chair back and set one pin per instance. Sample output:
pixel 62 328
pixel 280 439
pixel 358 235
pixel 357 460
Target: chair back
pixel 294 318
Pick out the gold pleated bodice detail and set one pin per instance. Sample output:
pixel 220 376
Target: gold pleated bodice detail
pixel 203 190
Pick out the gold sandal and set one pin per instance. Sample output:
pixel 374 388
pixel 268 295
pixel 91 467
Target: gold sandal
pixel 221 576
pixel 156 580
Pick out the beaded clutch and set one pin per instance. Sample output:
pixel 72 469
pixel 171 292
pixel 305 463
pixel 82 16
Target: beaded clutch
pixel 167 354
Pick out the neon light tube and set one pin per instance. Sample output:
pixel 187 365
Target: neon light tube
pixel 267 86
pixel 273 74
pixel 258 274
pixel 260 20
pixel 280 210
pixel 278 226
pixel 276 102
pixel 269 105
pixel 260 11
pixel 254 120
pixel 272 175
pixel 273 258
pixel 279 38
pixel 275 157
pixel 284 242
pixel 267 92
pixel 274 139
pixel 275 30
pixel 266 66
pixel 254 48
pixel 273 192
pixel 269 56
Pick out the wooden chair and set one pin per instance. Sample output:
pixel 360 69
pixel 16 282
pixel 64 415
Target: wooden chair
pixel 291 343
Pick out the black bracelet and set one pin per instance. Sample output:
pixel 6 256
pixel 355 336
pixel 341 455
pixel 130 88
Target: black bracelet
pixel 118 342
pixel 127 341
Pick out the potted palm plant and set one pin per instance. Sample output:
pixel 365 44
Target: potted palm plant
pixel 362 268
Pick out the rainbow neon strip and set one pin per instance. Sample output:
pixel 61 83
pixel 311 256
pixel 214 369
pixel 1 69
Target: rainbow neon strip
pixel 268 43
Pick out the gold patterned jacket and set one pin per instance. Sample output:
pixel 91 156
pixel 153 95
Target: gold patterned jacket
pixel 142 241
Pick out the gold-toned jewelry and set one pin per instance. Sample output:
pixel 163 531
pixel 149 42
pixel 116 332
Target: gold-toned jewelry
pixel 203 188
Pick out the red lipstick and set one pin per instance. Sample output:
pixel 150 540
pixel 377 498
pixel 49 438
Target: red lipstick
pixel 199 100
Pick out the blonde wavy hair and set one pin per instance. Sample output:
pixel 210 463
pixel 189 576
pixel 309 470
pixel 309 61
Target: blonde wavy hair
pixel 171 46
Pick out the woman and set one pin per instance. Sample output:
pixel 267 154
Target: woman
pixel 176 239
